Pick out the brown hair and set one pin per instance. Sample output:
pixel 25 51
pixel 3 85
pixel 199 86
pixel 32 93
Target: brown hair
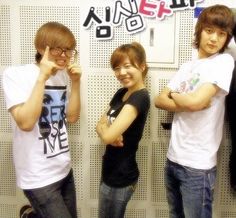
pixel 217 15
pixel 53 34
pixel 134 52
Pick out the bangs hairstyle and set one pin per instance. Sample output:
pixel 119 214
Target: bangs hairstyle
pixel 134 52
pixel 219 16
pixel 54 35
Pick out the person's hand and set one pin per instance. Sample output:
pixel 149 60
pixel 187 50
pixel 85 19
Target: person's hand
pixel 208 105
pixel 74 72
pixel 118 142
pixel 47 67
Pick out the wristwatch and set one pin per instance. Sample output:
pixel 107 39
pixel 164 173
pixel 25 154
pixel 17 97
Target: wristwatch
pixel 170 92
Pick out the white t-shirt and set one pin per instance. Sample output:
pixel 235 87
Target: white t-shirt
pixel 196 136
pixel 41 156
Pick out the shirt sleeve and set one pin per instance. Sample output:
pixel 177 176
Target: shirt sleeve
pixel 14 87
pixel 120 92
pixel 221 71
pixel 140 100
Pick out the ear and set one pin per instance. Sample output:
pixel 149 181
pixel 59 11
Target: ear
pixel 143 67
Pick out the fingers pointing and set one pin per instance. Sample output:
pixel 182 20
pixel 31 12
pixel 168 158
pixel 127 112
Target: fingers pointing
pixel 46 53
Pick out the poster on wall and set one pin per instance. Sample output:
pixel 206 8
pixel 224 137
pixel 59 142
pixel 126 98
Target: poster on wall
pixel 155 23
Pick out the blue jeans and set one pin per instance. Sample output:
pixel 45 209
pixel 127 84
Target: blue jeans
pixel 113 201
pixel 189 191
pixel 57 200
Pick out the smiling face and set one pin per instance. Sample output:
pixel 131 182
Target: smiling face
pixel 61 56
pixel 128 75
pixel 128 61
pixel 212 41
pixel 60 60
pixel 60 40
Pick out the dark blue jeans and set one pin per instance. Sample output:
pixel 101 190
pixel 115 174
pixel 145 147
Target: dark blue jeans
pixel 57 200
pixel 189 191
pixel 113 201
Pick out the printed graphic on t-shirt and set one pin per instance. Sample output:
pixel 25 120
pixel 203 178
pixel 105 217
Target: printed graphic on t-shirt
pixel 190 84
pixel 110 116
pixel 52 124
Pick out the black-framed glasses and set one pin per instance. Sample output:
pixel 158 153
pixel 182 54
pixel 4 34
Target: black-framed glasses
pixel 58 51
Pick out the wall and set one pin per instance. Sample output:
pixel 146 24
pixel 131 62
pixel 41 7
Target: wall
pixel 19 19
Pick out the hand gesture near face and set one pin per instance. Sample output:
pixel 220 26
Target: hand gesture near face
pixel 47 67
pixel 74 71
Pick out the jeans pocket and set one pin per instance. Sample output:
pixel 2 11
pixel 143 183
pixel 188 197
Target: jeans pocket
pixel 128 193
pixel 211 178
pixel 133 186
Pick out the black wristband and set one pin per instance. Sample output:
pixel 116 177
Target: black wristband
pixel 169 94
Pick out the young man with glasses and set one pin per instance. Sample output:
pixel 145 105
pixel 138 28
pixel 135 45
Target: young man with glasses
pixel 196 94
pixel 41 103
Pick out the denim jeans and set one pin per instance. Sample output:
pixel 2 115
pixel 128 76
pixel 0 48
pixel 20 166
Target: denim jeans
pixel 189 191
pixel 113 201
pixel 57 200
